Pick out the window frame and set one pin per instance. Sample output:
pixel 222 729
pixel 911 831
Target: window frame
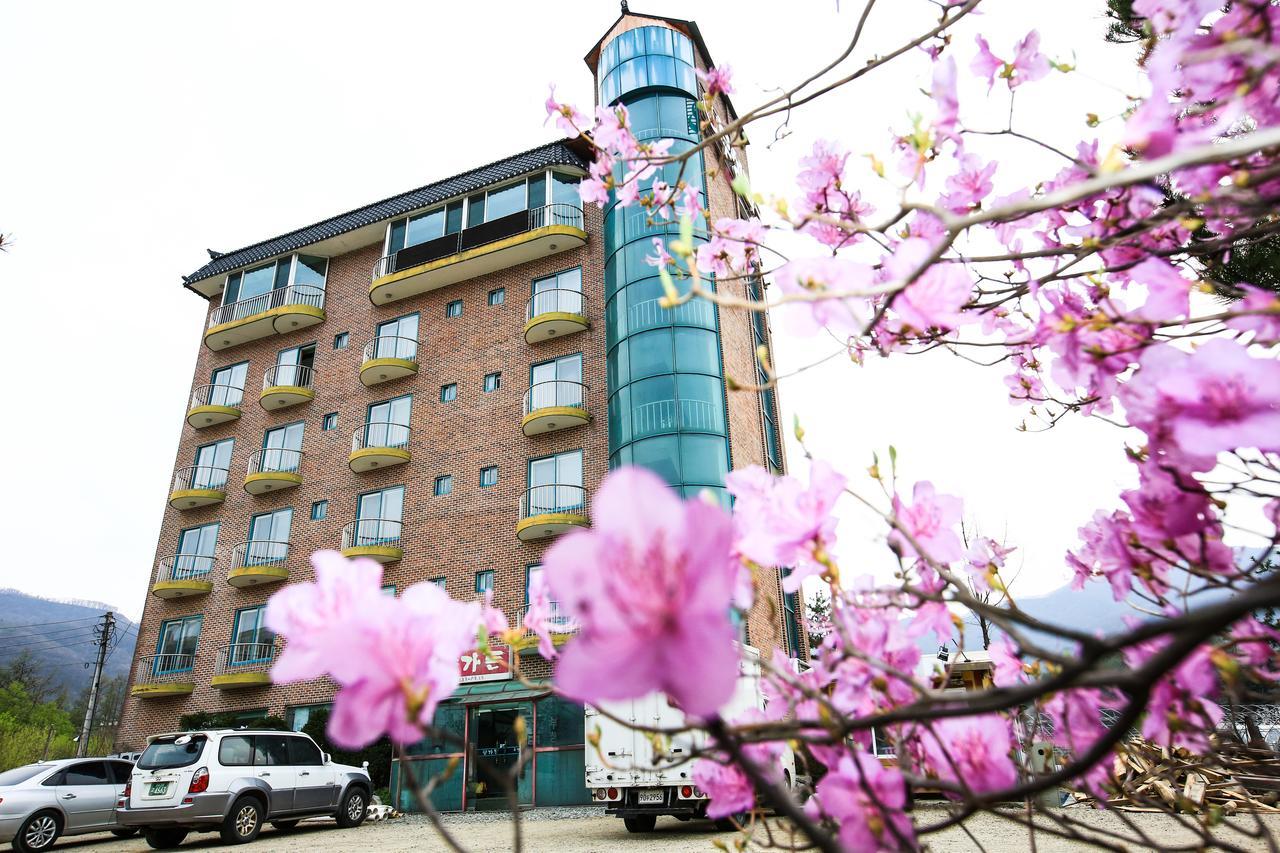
pixel 260 629
pixel 448 309
pixel 451 390
pixel 443 481
pixel 322 507
pixel 501 294
pixel 292 257
pixel 325 421
pixel 343 338
pixel 485 573
pixel 182 621
pixel 496 474
pixel 496 376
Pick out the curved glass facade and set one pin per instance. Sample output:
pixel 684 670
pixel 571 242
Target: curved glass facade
pixel 665 377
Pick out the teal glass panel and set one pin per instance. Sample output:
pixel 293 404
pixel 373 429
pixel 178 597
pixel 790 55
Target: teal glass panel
pixel 653 406
pixel 537 190
pixel 310 270
pixel 697 351
pixel 701 403
pixel 560 775
pixel 453 218
pixel 660 455
pixel 651 353
pixel 397 236
pixel 703 459
pixel 505 201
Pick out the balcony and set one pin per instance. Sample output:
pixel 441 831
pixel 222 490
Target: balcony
pixel 197 486
pixel 243 665
pixel 276 312
pixel 158 676
pixel 387 358
pixel 553 314
pixel 214 404
pixel 560 623
pixel 379 445
pixel 184 575
pixel 287 385
pixel 547 511
pixel 273 469
pixel 498 244
pixel 554 405
pixel 375 538
pixel 258 562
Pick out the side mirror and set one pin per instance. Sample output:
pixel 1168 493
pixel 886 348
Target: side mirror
pixel 326 756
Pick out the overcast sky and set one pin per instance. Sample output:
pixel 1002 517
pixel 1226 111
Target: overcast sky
pixel 138 135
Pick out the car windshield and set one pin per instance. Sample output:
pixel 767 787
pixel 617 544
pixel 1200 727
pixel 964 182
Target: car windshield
pixel 165 752
pixel 18 775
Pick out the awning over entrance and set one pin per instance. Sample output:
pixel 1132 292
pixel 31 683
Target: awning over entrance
pixel 495 691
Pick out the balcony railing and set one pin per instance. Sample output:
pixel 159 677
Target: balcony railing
pixel 479 235
pixel 217 395
pixel 275 460
pixel 553 499
pixel 288 376
pixel 371 533
pixel 558 622
pixel 185 567
pixel 391 346
pixel 163 669
pixel 379 434
pixel 294 294
pixel 668 415
pixel 260 552
pixel 555 393
pixel 556 300
pixel 200 477
pixel 245 657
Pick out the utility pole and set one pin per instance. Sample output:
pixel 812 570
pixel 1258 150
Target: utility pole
pixel 103 633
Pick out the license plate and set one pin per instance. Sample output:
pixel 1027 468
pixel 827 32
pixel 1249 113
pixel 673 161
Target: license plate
pixel 157 789
pixel 650 797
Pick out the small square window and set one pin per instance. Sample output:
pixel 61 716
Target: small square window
pixel 498 296
pixel 492 381
pixel 444 485
pixel 449 393
pixel 329 421
pixel 453 309
pixel 488 476
pixel 484 581
pixel 319 510
pixel 440 582
pixel 389 589
pixel 342 340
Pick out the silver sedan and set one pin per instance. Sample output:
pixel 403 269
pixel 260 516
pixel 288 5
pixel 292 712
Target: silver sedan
pixel 41 802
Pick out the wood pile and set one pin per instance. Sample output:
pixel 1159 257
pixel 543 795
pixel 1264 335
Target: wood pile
pixel 1233 779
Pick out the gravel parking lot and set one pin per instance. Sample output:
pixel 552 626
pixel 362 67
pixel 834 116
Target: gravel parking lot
pixel 590 831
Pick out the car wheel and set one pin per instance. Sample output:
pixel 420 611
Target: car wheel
pixel 243 823
pixel 284 825
pixel 164 839
pixel 38 832
pixel 640 823
pixel 352 809
pixel 124 833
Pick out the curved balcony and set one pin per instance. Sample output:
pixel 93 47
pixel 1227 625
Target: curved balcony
pixel 554 313
pixel 241 665
pixel 550 510
pixel 379 445
pixel 258 562
pixel 276 312
pixel 214 404
pixel 375 538
pixel 184 575
pixel 559 623
pixel 287 385
pixel 388 357
pixel 553 405
pixel 197 486
pixel 158 676
pixel 498 244
pixel 273 469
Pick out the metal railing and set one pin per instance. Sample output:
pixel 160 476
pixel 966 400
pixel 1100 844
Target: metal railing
pixel 245 657
pixel 553 498
pixel 200 477
pixel 185 567
pixel 294 294
pixel 275 460
pixel 561 300
pixel 555 392
pixel 520 222
pixel 260 552
pixel 558 622
pixel 368 532
pixel 163 669
pixel 288 376
pixel 391 346
pixel 650 314
pixel 667 415
pixel 379 434
pixel 217 395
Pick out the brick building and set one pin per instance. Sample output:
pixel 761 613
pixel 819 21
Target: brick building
pixel 439 381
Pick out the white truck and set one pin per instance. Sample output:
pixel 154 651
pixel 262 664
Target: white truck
pixel 638 782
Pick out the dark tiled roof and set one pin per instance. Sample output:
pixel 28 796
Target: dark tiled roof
pixel 560 153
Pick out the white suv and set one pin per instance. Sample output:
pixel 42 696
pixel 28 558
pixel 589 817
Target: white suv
pixel 233 781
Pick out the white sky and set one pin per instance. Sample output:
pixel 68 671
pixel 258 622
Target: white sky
pixel 136 135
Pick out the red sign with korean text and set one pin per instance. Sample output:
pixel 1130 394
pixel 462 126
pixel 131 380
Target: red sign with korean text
pixel 475 666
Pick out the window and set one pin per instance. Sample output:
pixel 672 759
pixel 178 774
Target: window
pixel 397 338
pixel 422 227
pixel 212 463
pixel 271 750
pixel 176 648
pixel 444 485
pixel 319 510
pixel 282 449
pixel 329 421
pixel 492 382
pixel 497 296
pixel 387 423
pixel 484 581
pixel 268 538
pixel 488 476
pixel 226 385
pixel 251 642
pixel 389 590
pixel 295 270
pixel 440 582
pixel 342 340
pixel 293 366
pixel 298 716
pixel 304 752
pixel 556 383
pixel 196 548
pixel 791 619
pixel 88 773
pixel 559 292
pixel 449 393
pixel 453 309
pixel 378 516
pixel 555 483
pixel 236 751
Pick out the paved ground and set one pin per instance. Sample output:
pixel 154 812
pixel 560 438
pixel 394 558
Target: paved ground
pixel 589 831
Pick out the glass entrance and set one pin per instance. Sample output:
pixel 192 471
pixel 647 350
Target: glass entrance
pixel 492 731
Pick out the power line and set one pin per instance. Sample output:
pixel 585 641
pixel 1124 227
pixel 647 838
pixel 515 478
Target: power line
pixel 44 624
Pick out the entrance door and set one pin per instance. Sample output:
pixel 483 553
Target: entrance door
pixel 493 739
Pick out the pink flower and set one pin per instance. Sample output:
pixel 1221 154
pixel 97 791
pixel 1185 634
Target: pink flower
pixel 1028 64
pixel 935 298
pixel 986 64
pixel 824 275
pixel 727 786
pixel 985 557
pixel 650 584
pixel 538 616
pixel 569 119
pixel 1168 293
pixel 946 122
pixel 779 522
pixel 967 188
pixel 717 81
pixel 1181 711
pixel 1263 317
pixel 930 520
pixel 493 619
pixel 972 751
pixel 867 801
